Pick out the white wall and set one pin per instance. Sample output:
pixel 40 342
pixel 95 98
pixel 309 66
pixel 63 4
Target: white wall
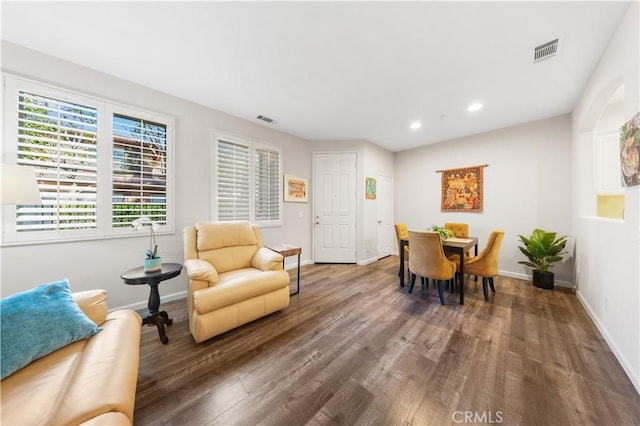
pixel 99 263
pixel 377 162
pixel 526 186
pixel 608 251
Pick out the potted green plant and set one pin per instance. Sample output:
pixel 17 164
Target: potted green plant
pixel 543 249
pixel 444 232
pixel 153 261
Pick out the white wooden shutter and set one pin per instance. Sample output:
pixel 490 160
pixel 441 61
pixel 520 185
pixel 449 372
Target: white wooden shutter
pixel 267 185
pixel 59 140
pixel 233 177
pixel 139 179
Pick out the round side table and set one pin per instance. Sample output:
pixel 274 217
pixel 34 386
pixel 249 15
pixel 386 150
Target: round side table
pixel 138 276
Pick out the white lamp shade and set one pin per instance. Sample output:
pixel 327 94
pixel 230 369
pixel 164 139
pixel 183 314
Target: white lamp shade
pixel 18 185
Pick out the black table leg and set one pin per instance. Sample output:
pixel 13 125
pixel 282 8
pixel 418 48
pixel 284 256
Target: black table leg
pixel 401 271
pixel 159 319
pixel 298 282
pixel 154 299
pixel 461 254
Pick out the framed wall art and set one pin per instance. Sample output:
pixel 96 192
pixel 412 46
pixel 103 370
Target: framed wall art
pixel 295 189
pixel 629 151
pixel 370 189
pixel 462 189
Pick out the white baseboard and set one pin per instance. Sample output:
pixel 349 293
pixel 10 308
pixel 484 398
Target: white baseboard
pixel 526 277
pixel 367 261
pixel 294 265
pixel 607 337
pixel 142 305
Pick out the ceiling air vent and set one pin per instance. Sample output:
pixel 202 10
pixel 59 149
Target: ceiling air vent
pixel 545 51
pixel 267 119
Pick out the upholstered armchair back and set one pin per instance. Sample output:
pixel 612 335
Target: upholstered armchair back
pixel 225 245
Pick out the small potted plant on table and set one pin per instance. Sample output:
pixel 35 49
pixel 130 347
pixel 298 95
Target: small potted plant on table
pixel 543 249
pixel 444 232
pixel 153 261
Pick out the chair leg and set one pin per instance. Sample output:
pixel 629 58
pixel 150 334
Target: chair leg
pixel 413 281
pixel 484 288
pixel 493 289
pixel 440 291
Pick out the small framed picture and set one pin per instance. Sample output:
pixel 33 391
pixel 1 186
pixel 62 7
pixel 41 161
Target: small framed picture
pixel 295 189
pixel 370 188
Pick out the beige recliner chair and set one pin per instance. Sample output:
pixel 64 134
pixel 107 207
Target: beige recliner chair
pixel 233 279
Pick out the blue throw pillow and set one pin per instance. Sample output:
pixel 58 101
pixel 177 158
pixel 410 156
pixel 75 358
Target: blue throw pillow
pixel 39 321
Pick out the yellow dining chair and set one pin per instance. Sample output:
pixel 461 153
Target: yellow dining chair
pixel 403 232
pixel 460 230
pixel 428 260
pixel 485 264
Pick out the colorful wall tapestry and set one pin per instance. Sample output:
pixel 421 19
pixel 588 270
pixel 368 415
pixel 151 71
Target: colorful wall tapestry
pixel 629 146
pixel 462 189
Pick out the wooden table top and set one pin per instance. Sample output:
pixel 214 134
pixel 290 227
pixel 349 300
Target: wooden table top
pixel 284 249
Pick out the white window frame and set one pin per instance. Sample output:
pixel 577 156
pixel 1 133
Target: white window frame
pixel 252 145
pixel 105 108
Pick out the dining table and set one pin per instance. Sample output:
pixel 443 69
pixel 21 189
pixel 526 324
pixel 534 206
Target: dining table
pixel 455 245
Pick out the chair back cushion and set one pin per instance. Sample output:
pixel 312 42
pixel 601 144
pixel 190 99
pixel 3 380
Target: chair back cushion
pixel 460 230
pixel 227 245
pixel 402 232
pixel 427 256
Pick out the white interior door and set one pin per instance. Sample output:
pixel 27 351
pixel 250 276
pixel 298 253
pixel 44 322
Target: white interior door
pixel 384 202
pixel 334 204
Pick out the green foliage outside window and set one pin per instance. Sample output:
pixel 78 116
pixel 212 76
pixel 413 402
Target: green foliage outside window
pixel 125 214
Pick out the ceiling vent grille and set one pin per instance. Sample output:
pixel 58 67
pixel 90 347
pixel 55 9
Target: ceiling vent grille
pixel 545 51
pixel 266 119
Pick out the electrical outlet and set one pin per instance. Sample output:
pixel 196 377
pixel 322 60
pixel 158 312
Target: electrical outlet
pixel 606 303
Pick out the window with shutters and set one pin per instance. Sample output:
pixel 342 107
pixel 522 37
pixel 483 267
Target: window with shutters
pixel 248 181
pixel 139 170
pixel 99 165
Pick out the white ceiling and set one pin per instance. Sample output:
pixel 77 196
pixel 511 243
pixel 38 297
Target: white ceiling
pixel 337 70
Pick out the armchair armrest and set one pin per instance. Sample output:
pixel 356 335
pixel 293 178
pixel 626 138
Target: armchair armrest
pixel 93 303
pixel 198 269
pixel 267 260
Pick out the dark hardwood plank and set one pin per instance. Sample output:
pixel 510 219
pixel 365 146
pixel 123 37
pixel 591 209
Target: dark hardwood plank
pixel 355 348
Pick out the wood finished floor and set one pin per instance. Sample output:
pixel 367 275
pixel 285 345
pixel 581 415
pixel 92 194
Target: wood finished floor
pixel 353 348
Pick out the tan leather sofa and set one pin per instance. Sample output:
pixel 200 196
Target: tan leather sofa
pixel 90 382
pixel 233 279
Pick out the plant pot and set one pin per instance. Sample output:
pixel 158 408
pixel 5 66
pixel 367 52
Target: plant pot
pixel 543 280
pixel 152 265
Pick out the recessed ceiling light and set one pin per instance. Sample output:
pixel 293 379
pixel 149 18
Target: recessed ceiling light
pixel 474 107
pixel 416 125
